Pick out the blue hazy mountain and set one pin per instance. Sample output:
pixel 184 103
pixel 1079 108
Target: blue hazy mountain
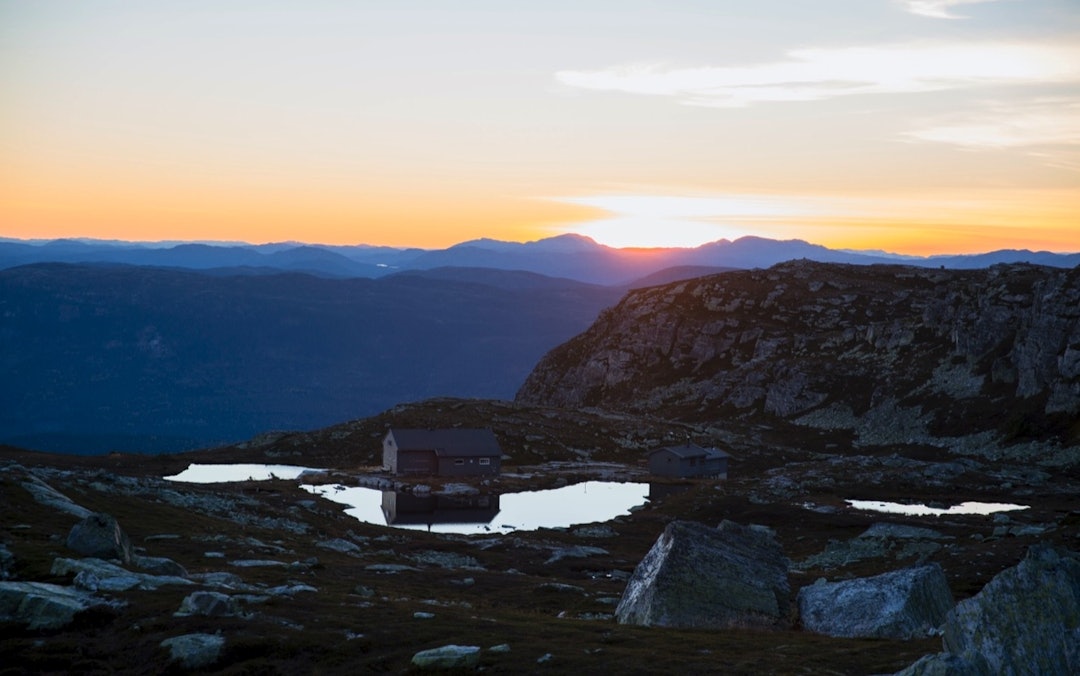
pixel 568 256
pixel 102 357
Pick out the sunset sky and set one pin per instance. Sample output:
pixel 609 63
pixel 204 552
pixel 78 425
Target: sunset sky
pixel 913 126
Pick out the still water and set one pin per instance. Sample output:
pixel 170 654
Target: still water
pixel 212 474
pixel 926 510
pixel 588 502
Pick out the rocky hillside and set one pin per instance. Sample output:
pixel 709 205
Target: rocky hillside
pixel 886 354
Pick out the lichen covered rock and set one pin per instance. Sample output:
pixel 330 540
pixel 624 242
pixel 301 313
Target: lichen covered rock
pixel 695 576
pixel 902 604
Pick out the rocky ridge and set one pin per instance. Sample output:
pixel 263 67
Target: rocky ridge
pixel 972 361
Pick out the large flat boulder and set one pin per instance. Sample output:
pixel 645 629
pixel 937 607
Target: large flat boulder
pixel 901 604
pixel 40 605
pixel 696 576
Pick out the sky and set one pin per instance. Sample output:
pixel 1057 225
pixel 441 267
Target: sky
pixel 910 126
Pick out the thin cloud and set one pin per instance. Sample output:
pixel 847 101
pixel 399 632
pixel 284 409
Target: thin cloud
pixel 817 74
pixel 938 9
pixel 1047 128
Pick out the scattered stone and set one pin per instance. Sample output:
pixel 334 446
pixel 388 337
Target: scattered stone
pixel 40 605
pixel 214 555
pixel 421 615
pixel 159 565
pixel 46 495
pixel 902 532
pixel 390 568
pixel 364 591
pixel 194 651
pixel 903 604
pixel 208 604
pixel 546 657
pixel 717 578
pixel 258 563
pixel 448 560
pixel 161 536
pixel 464 582
pixel 500 649
pixel 95 574
pixel 221 580
pixel 100 536
pixel 448 657
pixel 561 588
pixel 290 589
pixel 595 531
pixel 339 545
pixel 574 552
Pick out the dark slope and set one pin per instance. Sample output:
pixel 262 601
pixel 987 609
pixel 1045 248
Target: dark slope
pixel 152 359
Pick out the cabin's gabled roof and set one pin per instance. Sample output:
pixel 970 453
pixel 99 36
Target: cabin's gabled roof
pixel 688 450
pixel 456 442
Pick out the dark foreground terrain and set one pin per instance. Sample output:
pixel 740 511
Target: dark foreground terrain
pixel 313 590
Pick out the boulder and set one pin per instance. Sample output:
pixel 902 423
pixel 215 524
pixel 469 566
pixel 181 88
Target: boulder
pixel 95 574
pixel 695 576
pixel 39 605
pixel 193 651
pixel 448 657
pixel 100 536
pixel 1024 621
pixel 902 604
pixel 208 604
pixel 159 565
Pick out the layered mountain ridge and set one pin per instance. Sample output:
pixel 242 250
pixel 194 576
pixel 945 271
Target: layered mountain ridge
pixel 570 256
pixel 890 354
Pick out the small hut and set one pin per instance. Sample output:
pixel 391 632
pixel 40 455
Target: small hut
pixel 688 460
pixel 442 452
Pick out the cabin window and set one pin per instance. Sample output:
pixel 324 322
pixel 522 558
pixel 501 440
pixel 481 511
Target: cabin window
pixel 485 461
pixel 459 461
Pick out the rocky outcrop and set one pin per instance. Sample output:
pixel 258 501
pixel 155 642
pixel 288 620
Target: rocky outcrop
pixel 895 354
pixel 100 536
pixel 695 576
pixel 903 604
pixel 1024 621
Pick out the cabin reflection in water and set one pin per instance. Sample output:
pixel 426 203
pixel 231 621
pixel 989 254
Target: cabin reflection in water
pixel 407 509
pixel 659 491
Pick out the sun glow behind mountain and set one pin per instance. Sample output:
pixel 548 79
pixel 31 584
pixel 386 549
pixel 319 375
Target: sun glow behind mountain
pixel 930 126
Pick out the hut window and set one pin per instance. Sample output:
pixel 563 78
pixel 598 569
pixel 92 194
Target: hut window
pixel 485 461
pixel 459 461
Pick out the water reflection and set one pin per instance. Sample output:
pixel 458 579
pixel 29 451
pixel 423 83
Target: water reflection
pixel 211 474
pixel 926 510
pixel 588 502
pixel 407 509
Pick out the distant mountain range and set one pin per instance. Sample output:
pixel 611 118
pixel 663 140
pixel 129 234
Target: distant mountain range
pixel 127 346
pixel 568 256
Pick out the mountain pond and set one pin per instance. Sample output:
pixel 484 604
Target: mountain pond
pixel 926 510
pixel 581 503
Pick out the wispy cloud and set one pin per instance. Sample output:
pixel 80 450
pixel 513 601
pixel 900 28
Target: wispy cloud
pixel 1048 128
pixel 938 9
pixel 816 74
